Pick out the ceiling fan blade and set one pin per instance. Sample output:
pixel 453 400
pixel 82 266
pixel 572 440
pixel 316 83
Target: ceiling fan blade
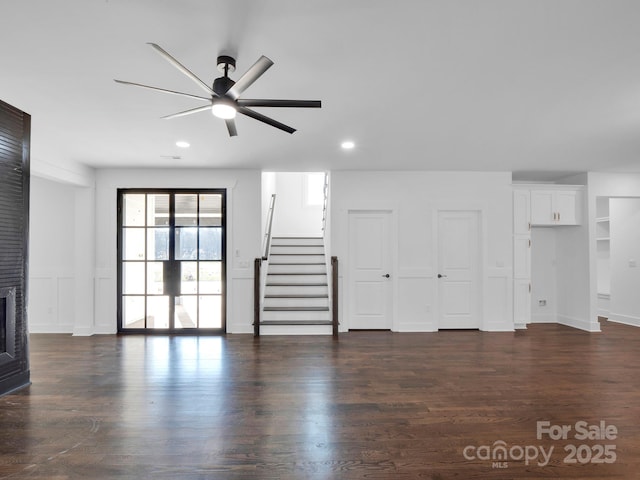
pixel 262 118
pixel 183 69
pixel 187 112
pixel 250 76
pixel 279 103
pixel 231 127
pixel 172 92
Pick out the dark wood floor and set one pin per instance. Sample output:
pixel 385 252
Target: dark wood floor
pixel 372 405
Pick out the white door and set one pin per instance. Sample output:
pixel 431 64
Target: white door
pixel 370 260
pixel 459 284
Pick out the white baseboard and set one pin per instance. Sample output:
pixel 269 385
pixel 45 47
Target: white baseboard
pixel 83 332
pixel 416 327
pixel 579 323
pixel 625 319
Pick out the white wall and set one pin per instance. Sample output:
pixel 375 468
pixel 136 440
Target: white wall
pixel 624 214
pixel 51 256
pixel 243 234
pixel 414 198
pixel 293 215
pixel 268 189
pixel 543 275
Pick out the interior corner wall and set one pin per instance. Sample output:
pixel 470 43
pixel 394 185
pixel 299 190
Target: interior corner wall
pixel 606 185
pixel 52 245
pixel 292 215
pixel 624 215
pixel 544 297
pixel 243 234
pixel 268 189
pixel 414 197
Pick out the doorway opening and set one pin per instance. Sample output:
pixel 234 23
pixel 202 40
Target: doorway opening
pixel 171 261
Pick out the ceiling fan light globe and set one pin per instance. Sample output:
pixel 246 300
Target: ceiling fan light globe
pixel 224 111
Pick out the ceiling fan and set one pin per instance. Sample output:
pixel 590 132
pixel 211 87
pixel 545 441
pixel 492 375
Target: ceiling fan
pixel 224 95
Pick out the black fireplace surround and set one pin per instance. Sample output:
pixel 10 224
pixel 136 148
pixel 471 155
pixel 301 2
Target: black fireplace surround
pixel 15 132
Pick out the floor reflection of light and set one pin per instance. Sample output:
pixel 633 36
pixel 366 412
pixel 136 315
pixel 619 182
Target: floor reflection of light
pixel 172 378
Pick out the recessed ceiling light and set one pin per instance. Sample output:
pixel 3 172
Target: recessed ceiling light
pixel 182 144
pixel 347 145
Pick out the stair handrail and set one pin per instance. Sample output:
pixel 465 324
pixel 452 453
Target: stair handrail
pixel 266 247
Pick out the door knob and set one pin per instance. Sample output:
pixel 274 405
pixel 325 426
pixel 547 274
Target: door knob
pixel 440 275
pixel 386 275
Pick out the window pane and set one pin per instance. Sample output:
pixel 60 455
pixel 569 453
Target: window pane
pixel 155 278
pixel 210 244
pixel 133 277
pixel 210 311
pixel 186 243
pixel 158 243
pixel 133 243
pixel 211 209
pixel 188 277
pixel 210 277
pixel 158 312
pixel 133 209
pixel 186 315
pixel 133 314
pixel 157 209
pixel 186 209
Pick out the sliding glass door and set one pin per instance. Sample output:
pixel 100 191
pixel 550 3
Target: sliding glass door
pixel 171 260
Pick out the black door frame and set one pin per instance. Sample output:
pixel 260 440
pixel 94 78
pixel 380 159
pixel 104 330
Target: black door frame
pixel 172 263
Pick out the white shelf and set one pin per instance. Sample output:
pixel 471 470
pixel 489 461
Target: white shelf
pixel 602 239
pixel 602 219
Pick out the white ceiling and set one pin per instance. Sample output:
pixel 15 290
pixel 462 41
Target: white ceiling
pixel 516 85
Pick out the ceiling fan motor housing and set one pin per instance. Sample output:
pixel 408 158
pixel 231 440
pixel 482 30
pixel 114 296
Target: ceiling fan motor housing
pixel 221 85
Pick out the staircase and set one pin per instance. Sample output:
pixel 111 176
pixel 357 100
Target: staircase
pixel 296 295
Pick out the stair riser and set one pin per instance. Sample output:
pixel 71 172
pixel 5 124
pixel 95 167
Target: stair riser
pixel 284 278
pixel 296 249
pixel 296 302
pixel 296 330
pixel 296 315
pixel 296 241
pixel 296 258
pixel 296 290
pixel 297 268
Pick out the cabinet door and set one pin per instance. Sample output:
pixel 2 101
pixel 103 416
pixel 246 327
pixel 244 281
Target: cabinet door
pixel 542 211
pixel 521 303
pixel 567 207
pixel 521 212
pixel 522 257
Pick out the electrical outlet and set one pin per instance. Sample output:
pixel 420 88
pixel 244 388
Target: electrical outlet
pixel 542 303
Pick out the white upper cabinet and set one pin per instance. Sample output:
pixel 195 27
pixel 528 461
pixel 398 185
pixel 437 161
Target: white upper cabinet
pixel 555 206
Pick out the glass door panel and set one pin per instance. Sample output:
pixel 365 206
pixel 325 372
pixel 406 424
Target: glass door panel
pixel 171 260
